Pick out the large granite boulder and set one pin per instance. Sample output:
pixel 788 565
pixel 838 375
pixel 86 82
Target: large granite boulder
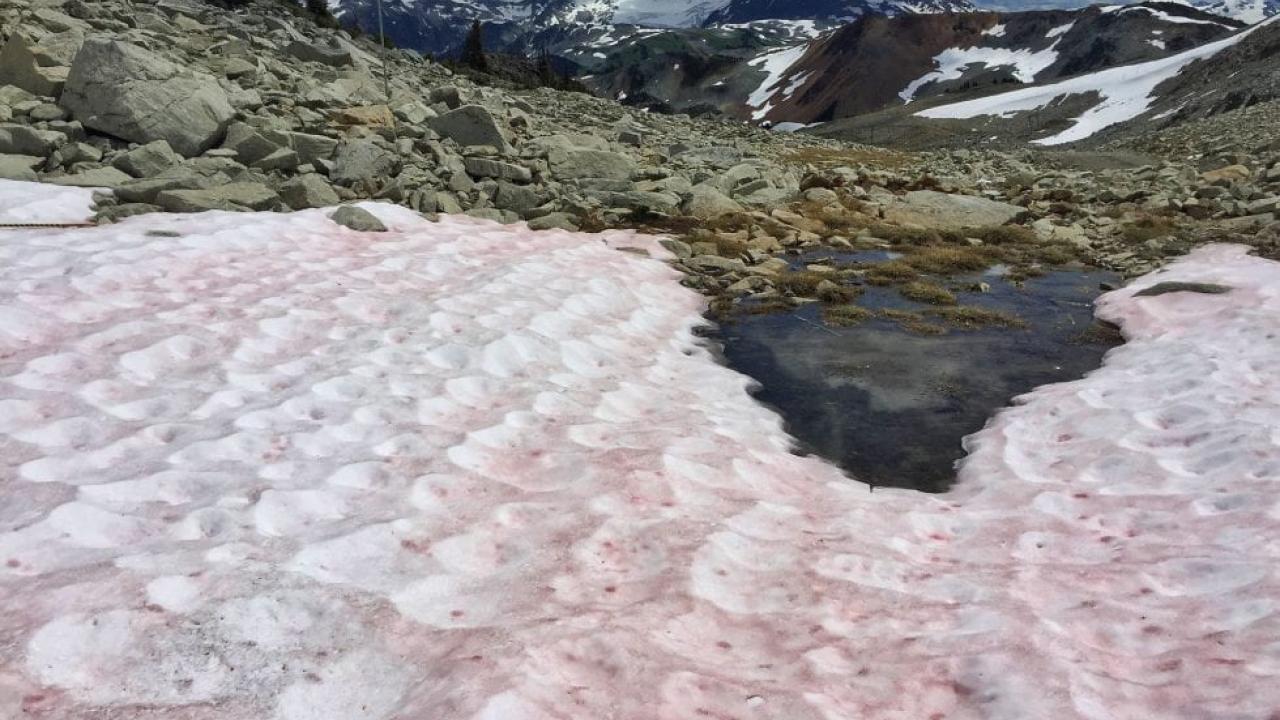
pixel 934 209
pixel 125 91
pixel 469 125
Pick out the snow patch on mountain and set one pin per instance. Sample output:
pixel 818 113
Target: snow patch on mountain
pixel 1249 11
pixel 664 13
pixel 1125 92
pixel 952 62
pixel 775 65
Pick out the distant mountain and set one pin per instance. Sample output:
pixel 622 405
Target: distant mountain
pixel 438 26
pixel 755 71
pixel 831 11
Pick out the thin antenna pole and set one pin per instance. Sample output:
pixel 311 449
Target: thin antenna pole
pixel 382 40
pixel 386 77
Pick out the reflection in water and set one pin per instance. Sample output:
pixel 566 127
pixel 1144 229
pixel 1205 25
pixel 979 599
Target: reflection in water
pixel 892 407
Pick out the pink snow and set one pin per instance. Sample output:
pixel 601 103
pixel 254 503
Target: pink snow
pixel 276 468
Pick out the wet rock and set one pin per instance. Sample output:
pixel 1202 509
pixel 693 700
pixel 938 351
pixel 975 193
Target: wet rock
pixel 358 219
pixel 1172 286
pixel 125 91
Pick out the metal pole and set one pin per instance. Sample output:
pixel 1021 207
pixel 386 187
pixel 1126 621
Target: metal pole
pixel 382 40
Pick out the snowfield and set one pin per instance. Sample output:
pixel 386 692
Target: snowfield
pixel 27 203
pixel 1124 92
pixel 263 466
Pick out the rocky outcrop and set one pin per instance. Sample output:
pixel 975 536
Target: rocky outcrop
pixel 125 91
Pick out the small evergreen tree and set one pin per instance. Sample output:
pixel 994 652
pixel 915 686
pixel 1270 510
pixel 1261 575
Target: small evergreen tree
pixel 317 7
pixel 473 49
pixel 546 74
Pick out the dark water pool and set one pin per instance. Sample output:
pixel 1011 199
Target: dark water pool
pixel 891 406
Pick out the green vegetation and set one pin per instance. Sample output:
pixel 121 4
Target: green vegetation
pixel 926 292
pixel 845 315
pixel 890 273
pixel 912 322
pixel 972 318
pixel 945 260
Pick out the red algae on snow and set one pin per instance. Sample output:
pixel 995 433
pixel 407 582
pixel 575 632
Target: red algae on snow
pixel 275 468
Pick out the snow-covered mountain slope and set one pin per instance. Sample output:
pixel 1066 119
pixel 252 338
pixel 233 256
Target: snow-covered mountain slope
pixel 1250 11
pixel 877 62
pixel 831 11
pixel 1123 93
pixel 262 467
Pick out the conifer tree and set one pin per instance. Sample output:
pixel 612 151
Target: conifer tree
pixel 473 49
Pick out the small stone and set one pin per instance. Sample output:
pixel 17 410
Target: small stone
pixel 357 219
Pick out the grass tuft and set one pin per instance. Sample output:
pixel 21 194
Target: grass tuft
pixel 845 315
pixel 972 318
pixel 926 292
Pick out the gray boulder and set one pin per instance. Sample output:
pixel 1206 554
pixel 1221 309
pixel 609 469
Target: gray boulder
pixel 106 177
pixel 125 91
pixel 447 94
pixel 363 160
pixel 486 168
pixel 357 219
pixel 517 198
pixel 308 191
pixel 19 167
pixel 232 196
pixel 706 202
pixel 20 67
pixel 249 145
pixel 554 221
pixel 586 163
pixel 24 140
pixel 942 210
pixel 323 54
pixel 469 125
pixel 148 160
